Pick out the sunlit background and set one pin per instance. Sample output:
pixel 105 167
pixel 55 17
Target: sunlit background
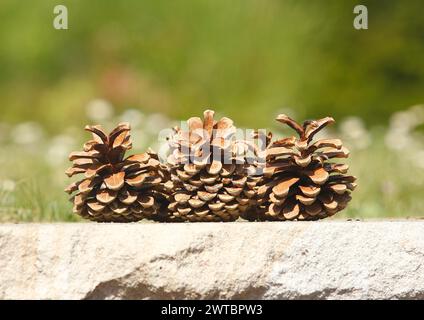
pixel 155 62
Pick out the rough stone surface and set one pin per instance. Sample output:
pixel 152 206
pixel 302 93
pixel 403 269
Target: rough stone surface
pixel 288 260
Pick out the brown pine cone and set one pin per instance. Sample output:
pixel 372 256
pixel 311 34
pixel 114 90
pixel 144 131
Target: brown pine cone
pixel 210 172
pixel 299 182
pixel 114 188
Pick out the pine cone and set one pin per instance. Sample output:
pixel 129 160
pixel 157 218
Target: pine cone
pixel 210 171
pixel 114 188
pixel 299 182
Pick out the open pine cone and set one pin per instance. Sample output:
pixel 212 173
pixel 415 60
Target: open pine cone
pixel 114 188
pixel 300 183
pixel 209 170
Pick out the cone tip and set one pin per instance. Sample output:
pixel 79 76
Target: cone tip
pixel 330 120
pixel 208 112
pixel 93 127
pixel 282 116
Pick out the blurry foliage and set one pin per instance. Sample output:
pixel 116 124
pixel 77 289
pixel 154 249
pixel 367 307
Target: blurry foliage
pixel 248 58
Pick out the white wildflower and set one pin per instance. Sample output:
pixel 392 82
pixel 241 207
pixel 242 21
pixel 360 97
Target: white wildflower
pixel 7 185
pixel 400 135
pixel 156 122
pixel 133 116
pixel 399 140
pixel 354 132
pixel 27 133
pixel 418 158
pixel 99 110
pixel 59 149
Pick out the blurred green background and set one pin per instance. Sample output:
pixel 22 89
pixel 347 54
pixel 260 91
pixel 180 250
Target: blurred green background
pixel 155 62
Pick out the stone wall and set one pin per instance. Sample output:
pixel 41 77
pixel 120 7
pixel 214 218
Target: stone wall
pixel 286 260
